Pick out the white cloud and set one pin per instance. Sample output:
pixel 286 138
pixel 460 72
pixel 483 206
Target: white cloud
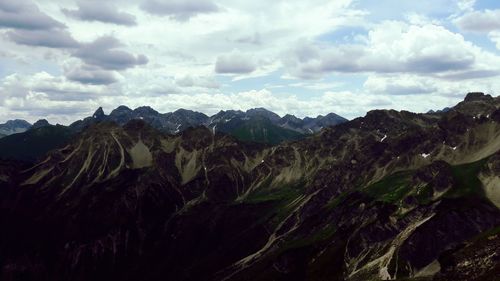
pixel 392 47
pixel 189 54
pixel 43 95
pixel 480 21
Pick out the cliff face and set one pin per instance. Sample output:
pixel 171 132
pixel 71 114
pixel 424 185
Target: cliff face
pixel 390 195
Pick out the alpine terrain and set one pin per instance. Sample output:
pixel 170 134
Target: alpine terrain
pixel 140 195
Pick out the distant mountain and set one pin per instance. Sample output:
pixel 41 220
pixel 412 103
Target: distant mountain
pixel 258 129
pixel 34 143
pixel 444 110
pixel 14 127
pixel 255 125
pixel 393 195
pixel 287 128
pixel 311 125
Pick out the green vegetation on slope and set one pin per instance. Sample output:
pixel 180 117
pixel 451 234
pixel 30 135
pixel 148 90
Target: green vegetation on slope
pixel 466 179
pixel 263 131
pixel 283 200
pixel 32 144
pixel 392 188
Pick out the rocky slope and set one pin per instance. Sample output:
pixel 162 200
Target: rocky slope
pixel 388 196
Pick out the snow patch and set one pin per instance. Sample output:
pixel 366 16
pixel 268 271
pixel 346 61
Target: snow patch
pixel 177 129
pixel 425 155
pixel 383 139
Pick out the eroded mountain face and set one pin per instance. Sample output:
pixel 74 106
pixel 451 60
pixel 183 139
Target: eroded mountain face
pixel 387 196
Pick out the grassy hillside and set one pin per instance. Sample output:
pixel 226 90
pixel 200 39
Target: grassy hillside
pixel 263 131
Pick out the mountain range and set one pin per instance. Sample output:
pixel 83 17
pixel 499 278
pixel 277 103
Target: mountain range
pixel 28 142
pixel 138 195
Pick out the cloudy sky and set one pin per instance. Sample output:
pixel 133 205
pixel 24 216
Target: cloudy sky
pixel 61 60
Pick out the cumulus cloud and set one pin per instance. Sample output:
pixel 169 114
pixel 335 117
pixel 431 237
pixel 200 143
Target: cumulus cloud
pixel 365 62
pixel 480 21
pixel 102 12
pixel 235 63
pixel 391 47
pixel 25 15
pixel 45 38
pixel 180 10
pixel 104 53
pixel 45 95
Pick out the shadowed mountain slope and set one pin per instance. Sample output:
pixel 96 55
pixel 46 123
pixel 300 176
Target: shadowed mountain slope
pixel 388 196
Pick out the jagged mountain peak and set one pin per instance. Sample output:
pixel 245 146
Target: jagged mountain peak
pixel 99 114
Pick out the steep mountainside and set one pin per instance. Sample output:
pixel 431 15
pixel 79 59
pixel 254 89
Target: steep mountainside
pixel 391 195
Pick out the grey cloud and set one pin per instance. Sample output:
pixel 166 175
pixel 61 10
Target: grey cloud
pixel 480 21
pixel 46 38
pixel 472 74
pixel 104 54
pixel 180 10
pixel 91 76
pixel 433 64
pixel 234 64
pixel 25 15
pixel 102 12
